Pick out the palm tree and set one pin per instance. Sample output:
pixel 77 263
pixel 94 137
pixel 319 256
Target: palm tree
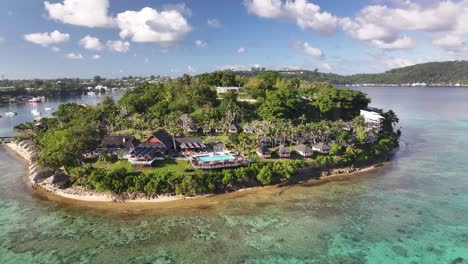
pixel 390 120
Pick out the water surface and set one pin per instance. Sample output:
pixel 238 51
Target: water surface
pixel 412 211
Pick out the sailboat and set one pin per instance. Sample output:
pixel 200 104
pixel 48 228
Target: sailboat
pixel 10 113
pixel 35 111
pixel 48 108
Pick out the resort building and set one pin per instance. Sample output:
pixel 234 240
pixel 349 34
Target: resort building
pixel 221 90
pixel 264 152
pixel 218 147
pixel 304 151
pixel 160 140
pixel 145 156
pixel 218 130
pixel 283 152
pixel 373 119
pixel 233 129
pixel 248 129
pixel 121 145
pixel 189 146
pixel 154 148
pixel 322 148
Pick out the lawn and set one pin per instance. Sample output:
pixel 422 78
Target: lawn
pixel 174 165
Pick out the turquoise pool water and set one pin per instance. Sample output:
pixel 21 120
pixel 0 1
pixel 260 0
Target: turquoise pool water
pixel 215 158
pixel 410 212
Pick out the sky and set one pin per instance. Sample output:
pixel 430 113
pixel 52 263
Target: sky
pixel 115 38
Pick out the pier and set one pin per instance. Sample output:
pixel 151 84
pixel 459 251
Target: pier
pixel 5 140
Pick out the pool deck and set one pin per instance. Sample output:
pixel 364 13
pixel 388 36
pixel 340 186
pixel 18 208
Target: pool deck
pixel 235 161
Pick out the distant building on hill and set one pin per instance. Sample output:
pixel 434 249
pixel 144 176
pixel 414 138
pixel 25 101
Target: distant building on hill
pixel 221 90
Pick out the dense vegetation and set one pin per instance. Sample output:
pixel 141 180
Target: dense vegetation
pixel 292 110
pixel 449 72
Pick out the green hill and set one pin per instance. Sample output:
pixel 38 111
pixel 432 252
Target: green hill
pixel 449 72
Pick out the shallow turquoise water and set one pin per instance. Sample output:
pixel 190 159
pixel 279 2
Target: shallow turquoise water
pixel 412 211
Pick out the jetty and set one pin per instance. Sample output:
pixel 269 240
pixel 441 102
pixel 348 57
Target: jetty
pixel 6 140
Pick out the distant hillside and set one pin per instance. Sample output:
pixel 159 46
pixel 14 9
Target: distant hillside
pixel 449 72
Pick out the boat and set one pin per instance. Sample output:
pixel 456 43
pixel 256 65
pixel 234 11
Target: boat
pixel 39 99
pixel 48 108
pixel 10 113
pixel 35 112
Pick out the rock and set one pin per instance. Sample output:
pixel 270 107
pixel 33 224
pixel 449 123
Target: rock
pixel 458 260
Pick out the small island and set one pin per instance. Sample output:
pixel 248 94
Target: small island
pixel 208 134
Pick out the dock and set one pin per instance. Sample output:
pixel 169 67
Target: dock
pixel 6 140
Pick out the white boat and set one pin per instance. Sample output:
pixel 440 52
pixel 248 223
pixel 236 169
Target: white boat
pixel 35 112
pixel 49 108
pixel 10 113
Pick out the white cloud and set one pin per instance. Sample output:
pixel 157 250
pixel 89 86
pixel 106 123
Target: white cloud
pixel 307 49
pixel 306 15
pixel 74 56
pixel 449 42
pixel 118 46
pixel 241 50
pixel 191 69
pixel 88 13
pixel 46 39
pixel 181 8
pixel 96 57
pixel 200 43
pixel 55 49
pixel 91 43
pixel 149 25
pixel 383 26
pixel 214 23
pixel 400 43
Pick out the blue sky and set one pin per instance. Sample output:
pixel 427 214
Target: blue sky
pixel 113 38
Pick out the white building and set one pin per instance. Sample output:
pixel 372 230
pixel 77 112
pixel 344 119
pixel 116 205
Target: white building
pixel 220 90
pixel 372 119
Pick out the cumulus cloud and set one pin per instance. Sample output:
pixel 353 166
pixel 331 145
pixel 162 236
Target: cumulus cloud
pixel 91 43
pixel 55 49
pixel 306 15
pixel 400 43
pixel 383 26
pixel 96 57
pixel 307 49
pixel 181 8
pixel 214 23
pixel 241 50
pixel 118 46
pixel 450 42
pixel 150 25
pixel 74 56
pixel 46 39
pixel 88 13
pixel 200 43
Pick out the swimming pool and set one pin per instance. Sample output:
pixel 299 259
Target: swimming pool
pixel 216 158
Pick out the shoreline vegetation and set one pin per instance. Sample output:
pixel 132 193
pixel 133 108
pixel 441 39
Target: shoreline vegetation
pixel 204 135
pixel 82 195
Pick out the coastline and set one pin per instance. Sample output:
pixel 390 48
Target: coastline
pixel 77 194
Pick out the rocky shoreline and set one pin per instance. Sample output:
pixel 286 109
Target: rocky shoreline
pixel 47 181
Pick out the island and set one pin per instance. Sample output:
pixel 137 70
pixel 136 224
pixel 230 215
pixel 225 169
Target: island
pixel 203 135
